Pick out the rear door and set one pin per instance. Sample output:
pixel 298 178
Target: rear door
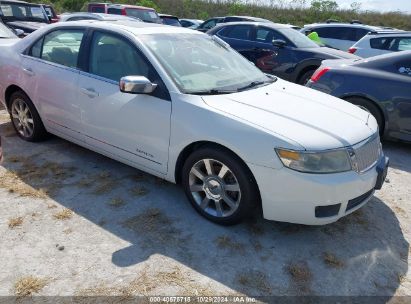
pixel 241 38
pixel 132 127
pixel 50 69
pixel 402 95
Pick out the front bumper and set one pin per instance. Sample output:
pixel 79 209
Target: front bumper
pixel 315 199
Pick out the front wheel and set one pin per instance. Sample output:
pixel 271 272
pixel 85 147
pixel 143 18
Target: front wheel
pixel 219 185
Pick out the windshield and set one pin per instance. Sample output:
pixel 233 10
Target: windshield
pixel 6 32
pixel 145 15
pixel 198 63
pixel 22 11
pixel 299 39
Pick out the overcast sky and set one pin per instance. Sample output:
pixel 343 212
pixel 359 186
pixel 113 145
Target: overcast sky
pixel 381 5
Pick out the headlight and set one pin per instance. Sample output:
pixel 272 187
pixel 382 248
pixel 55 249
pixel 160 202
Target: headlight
pixel 316 162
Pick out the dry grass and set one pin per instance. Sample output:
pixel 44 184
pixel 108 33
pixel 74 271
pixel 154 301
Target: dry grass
pixel 26 286
pixel 104 183
pixel 255 280
pixel 155 229
pixel 64 214
pixel 299 272
pixel 332 261
pixel 32 180
pixel 15 222
pixel 116 202
pixel 139 191
pixel 151 282
pixel 67 231
pixel 139 176
pixel 225 242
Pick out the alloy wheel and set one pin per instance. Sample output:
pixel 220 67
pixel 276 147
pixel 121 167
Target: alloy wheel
pixel 214 187
pixel 22 118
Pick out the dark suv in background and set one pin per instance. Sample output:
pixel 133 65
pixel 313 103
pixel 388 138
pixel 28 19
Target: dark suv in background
pixel 339 35
pixel 24 16
pixel 277 49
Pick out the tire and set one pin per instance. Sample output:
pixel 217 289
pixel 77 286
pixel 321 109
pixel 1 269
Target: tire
pixel 304 78
pixel 28 124
pixel 371 108
pixel 209 195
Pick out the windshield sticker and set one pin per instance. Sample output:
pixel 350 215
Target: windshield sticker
pixel 404 70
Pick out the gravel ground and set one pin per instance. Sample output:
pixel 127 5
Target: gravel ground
pixel 76 223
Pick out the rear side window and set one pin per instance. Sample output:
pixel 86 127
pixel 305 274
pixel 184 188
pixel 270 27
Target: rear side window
pixel 241 32
pixel 112 57
pixel 266 35
pixel 393 44
pixel 340 33
pixel 209 24
pixel 381 43
pixel 61 46
pixel 114 11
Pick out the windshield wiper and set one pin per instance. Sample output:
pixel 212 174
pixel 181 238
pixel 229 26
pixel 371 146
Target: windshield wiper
pixel 211 92
pixel 253 85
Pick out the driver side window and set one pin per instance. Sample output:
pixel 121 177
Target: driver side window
pixel 112 57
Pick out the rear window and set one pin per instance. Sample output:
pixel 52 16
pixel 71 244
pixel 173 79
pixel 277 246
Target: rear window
pixel 97 9
pixel 114 11
pixel 340 33
pixel 144 14
pixel 170 21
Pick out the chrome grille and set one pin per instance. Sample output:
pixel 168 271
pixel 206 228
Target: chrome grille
pixel 366 154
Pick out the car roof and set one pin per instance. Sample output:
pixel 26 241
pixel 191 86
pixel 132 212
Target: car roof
pixel 130 26
pixel 388 33
pixel 266 24
pixel 356 25
pixel 100 16
pixel 130 6
pixel 20 2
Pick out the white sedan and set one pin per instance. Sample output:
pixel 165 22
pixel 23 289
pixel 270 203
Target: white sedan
pixel 187 108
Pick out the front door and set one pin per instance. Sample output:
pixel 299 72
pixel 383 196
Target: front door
pixel 134 127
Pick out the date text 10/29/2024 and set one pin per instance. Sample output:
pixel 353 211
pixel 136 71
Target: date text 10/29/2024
pixel 198 299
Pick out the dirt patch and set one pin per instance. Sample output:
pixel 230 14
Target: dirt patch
pixel 300 275
pixel 15 222
pixel 116 202
pixel 64 214
pixel 138 190
pixel 255 280
pixel 26 286
pixel 332 261
pixel 226 242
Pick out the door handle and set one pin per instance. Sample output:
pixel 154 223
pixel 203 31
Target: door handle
pixel 29 71
pixel 90 92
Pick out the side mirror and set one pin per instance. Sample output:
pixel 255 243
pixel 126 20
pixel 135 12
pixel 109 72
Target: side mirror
pixel 136 85
pixel 279 43
pixel 19 33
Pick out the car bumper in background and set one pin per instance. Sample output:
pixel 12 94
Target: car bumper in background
pixel 315 199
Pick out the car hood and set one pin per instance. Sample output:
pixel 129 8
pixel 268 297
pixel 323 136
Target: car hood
pixel 333 53
pixel 314 120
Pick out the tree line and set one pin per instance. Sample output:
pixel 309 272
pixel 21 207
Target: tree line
pixel 297 12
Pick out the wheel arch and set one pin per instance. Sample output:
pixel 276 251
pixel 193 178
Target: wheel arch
pixel 372 101
pixel 9 91
pixel 198 145
pixel 311 67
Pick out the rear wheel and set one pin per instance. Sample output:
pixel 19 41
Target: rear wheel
pixel 25 118
pixel 371 108
pixel 304 78
pixel 219 186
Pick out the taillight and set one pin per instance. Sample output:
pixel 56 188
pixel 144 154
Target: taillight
pixel 319 73
pixel 352 50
